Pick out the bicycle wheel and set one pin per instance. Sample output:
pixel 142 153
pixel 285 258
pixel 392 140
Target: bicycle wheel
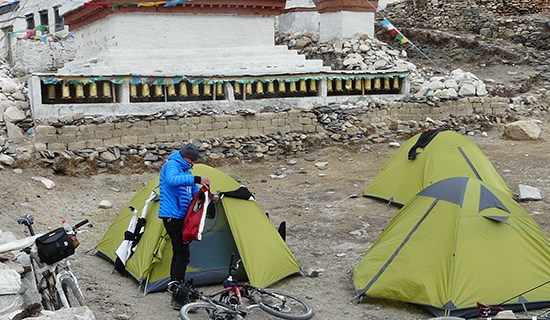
pixel 72 293
pixel 282 305
pixel 204 310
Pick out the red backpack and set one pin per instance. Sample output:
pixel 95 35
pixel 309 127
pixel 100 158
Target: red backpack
pixel 196 215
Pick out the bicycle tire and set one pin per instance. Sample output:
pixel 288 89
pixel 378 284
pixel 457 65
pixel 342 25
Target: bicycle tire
pixel 290 308
pixel 72 293
pixel 205 310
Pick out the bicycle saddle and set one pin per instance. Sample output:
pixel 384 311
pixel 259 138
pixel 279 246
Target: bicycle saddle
pixel 26 219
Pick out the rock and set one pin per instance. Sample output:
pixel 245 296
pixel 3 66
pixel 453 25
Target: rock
pixel 13 115
pixel 467 89
pixel 522 130
pixel 7 160
pixel 14 132
pixel 105 204
pixel 394 144
pixel 49 184
pixel 107 156
pixel 528 193
pixel 321 165
pixel 10 282
pixel 506 314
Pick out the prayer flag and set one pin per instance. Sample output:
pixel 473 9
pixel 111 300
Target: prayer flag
pixel 394 32
pixel 174 3
pixel 151 4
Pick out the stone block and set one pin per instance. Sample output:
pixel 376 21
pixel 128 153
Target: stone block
pixel 255 132
pixel 180 136
pixel 122 125
pixel 94 143
pixel 172 129
pixel 78 145
pixel 154 130
pixel 42 130
pixel 85 135
pixel 159 123
pixel 128 139
pixel 219 125
pixel 189 120
pixel 112 142
pixel 240 132
pixel 164 137
pixel 234 124
pixel 57 146
pixel 213 134
pixel 264 123
pixel 88 128
pixel 103 134
pixel 222 118
pixel 141 124
pixel 145 139
pixel 250 123
pixel 66 138
pixel 204 127
pixel 206 119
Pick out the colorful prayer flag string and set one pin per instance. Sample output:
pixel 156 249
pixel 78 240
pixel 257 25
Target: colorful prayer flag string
pixel 394 32
pixel 114 6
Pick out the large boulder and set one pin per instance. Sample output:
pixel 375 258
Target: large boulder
pixel 522 130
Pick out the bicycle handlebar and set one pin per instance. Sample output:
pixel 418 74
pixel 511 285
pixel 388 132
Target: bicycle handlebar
pixel 80 224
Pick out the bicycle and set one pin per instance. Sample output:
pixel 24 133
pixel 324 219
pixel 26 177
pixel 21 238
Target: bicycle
pixel 55 281
pixel 228 303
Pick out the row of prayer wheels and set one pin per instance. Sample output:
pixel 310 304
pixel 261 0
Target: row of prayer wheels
pixel 187 89
pixel 78 93
pixel 363 84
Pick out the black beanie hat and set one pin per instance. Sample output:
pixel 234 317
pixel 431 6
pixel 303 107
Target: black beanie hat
pixel 190 151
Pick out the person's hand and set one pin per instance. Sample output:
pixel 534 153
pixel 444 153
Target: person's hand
pixel 205 181
pixel 215 198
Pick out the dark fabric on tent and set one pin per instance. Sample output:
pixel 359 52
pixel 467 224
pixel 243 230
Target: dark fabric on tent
pixel 489 200
pixel 451 190
pixel 425 138
pixel 241 193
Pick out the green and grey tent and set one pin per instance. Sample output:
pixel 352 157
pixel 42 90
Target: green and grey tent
pixel 240 227
pixel 457 242
pixel 412 168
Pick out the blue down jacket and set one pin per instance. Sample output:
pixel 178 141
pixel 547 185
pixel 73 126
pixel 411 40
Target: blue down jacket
pixel 177 187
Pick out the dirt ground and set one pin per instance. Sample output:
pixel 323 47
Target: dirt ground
pixel 330 225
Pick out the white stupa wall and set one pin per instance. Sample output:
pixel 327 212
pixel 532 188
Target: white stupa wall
pixel 172 31
pixel 345 24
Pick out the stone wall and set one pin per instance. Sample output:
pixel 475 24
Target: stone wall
pixel 261 134
pixel 503 20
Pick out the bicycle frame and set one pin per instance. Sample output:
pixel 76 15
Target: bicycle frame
pixel 50 278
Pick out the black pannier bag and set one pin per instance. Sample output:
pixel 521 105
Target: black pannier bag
pixel 54 246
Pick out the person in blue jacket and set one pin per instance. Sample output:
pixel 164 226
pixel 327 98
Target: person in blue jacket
pixel 177 187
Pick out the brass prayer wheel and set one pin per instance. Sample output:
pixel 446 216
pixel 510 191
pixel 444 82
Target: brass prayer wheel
pixel 93 89
pixel 171 89
pixel 106 89
pixel 158 91
pixel 183 89
pixel 79 90
pixel 338 84
pixel 282 86
pixel 51 91
pixel 145 90
pixel 65 91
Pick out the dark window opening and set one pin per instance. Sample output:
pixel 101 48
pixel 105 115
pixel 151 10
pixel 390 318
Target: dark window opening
pixel 44 20
pixel 59 25
pixel 30 21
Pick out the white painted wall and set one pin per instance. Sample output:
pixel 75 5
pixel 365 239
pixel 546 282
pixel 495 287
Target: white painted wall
pixel 299 21
pixel 299 4
pixel 345 24
pixel 172 31
pixel 16 18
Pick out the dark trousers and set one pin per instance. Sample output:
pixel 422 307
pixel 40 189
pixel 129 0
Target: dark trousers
pixel 180 250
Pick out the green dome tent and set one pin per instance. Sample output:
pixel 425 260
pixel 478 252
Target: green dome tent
pixel 457 242
pixel 447 155
pixel 240 227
